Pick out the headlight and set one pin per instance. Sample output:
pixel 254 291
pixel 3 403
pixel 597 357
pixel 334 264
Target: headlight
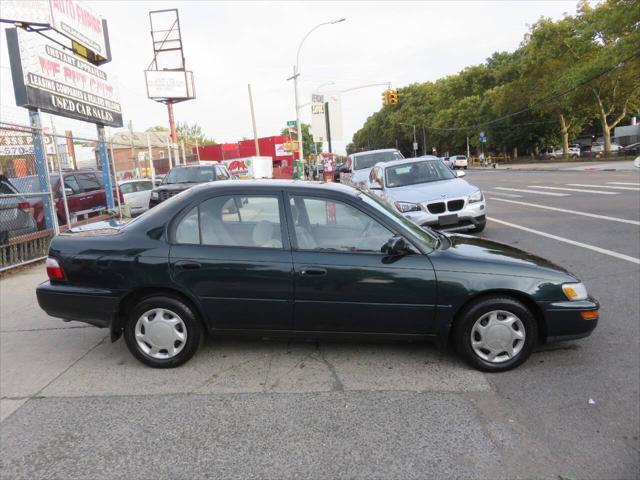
pixel 475 197
pixel 154 195
pixel 575 291
pixel 405 207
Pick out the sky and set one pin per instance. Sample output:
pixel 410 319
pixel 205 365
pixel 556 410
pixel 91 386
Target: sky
pixel 231 44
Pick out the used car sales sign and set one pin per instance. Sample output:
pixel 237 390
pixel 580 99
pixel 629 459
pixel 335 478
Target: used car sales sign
pixel 48 78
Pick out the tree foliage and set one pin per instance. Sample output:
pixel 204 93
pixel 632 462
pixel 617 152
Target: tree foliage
pixel 578 71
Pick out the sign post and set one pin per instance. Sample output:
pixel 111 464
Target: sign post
pixel 104 165
pixel 41 164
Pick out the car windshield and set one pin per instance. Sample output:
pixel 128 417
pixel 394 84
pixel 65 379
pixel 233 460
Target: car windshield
pixel 416 172
pixel 189 175
pixel 368 160
pixel 424 235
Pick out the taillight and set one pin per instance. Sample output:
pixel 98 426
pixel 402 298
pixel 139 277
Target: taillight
pixel 54 270
pixel 24 206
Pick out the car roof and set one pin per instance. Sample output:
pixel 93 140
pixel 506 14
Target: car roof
pixel 132 180
pixel 381 150
pixel 195 165
pixel 405 161
pixel 277 184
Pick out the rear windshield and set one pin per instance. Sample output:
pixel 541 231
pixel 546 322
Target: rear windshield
pixel 368 160
pixel 190 175
pixel 30 184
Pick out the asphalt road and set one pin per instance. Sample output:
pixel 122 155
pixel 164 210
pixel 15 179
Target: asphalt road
pixel 76 406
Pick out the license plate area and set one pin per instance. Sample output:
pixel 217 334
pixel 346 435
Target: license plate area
pixel 448 219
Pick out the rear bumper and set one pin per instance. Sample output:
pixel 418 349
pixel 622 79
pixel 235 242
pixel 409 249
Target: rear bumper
pixel 95 306
pixel 564 321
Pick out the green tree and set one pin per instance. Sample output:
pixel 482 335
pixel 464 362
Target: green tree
pixel 157 128
pixel 307 140
pixel 192 134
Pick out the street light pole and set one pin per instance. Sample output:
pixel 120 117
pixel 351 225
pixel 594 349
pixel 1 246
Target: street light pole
pixel 296 74
pixel 415 142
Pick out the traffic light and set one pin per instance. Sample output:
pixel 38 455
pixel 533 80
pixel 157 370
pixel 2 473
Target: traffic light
pixel 385 97
pixel 393 96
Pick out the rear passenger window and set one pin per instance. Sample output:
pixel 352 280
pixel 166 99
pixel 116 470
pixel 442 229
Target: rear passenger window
pixel 234 221
pixel 144 186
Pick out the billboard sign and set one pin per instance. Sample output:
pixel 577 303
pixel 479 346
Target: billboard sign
pixel 75 20
pixel 318 126
pixel 71 18
pixel 176 84
pixel 17 142
pixel 46 77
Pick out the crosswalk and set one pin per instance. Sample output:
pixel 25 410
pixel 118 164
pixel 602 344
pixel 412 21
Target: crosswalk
pixel 566 190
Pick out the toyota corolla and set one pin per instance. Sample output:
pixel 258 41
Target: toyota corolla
pixel 287 258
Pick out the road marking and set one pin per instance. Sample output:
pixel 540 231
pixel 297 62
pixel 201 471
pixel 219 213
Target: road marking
pixel 599 192
pixel 551 194
pixel 574 212
pixel 604 251
pixel 512 195
pixel 635 189
pixel 624 183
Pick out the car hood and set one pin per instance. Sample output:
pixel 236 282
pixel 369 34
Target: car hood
pixel 425 192
pixel 471 254
pixel 360 176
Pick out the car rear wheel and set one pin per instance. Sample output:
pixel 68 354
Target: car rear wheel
pixel 162 331
pixel 495 334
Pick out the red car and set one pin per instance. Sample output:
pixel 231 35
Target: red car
pixel 84 190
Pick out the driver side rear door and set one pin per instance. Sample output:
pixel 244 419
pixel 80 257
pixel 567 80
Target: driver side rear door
pixel 343 283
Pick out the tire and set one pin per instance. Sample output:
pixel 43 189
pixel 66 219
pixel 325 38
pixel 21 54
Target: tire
pixel 464 167
pixel 177 316
pixel 479 228
pixel 574 157
pixel 481 311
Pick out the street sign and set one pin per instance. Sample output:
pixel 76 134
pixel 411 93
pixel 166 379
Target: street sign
pixel 483 137
pixel 291 123
pixel 415 145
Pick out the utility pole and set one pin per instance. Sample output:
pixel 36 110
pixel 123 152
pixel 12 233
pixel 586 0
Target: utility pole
pixel 253 122
pixel 415 143
pixel 328 124
pixel 424 141
pixel 152 168
pixel 174 133
pixel 133 153
pixel 467 147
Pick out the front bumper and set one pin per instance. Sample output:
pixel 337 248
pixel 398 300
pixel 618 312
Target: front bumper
pixel 469 217
pixel 95 306
pixel 564 321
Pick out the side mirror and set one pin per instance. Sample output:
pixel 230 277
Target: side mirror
pixel 375 185
pixel 68 191
pixel 460 173
pixel 395 246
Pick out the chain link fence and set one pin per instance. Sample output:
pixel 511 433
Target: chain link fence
pixel 35 205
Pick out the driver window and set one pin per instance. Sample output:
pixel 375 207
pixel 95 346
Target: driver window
pixel 330 225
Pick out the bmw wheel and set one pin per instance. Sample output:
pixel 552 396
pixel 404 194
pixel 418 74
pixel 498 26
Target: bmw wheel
pixel 162 331
pixel 495 334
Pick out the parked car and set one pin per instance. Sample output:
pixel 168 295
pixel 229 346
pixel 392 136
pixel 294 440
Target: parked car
pixel 358 165
pixel 597 150
pixel 16 214
pixel 633 149
pixel 184 177
pixel 288 258
pixel 458 161
pixel 427 192
pixel 446 161
pixel 84 190
pixel 337 170
pixel 137 194
pixel 553 153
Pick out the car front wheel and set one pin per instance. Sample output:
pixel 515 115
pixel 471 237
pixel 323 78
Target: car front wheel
pixel 162 331
pixel 495 334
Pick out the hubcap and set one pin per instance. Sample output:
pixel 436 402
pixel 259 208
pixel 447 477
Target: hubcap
pixel 497 336
pixel 160 333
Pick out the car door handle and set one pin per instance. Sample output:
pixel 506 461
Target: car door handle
pixel 312 271
pixel 187 265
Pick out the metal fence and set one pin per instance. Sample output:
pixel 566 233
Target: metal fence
pixel 34 206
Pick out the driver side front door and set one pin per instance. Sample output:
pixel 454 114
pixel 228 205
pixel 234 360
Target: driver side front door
pixel 343 283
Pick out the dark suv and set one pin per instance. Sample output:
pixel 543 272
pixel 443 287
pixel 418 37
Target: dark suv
pixel 184 177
